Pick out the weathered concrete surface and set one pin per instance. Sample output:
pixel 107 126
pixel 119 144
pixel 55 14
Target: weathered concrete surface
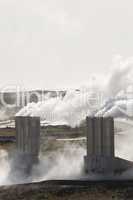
pixel 28 145
pixel 100 136
pixel 28 135
pixel 69 190
pixel 100 156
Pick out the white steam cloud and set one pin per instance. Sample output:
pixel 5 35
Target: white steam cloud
pixel 63 164
pixel 119 79
pixel 77 104
pixel 71 110
pixel 4 167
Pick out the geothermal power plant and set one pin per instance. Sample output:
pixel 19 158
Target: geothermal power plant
pixel 100 148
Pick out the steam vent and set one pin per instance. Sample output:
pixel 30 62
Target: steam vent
pixel 100 158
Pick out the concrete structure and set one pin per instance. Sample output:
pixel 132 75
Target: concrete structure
pixel 27 141
pixel 100 147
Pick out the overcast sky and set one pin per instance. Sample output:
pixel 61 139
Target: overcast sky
pixel 59 43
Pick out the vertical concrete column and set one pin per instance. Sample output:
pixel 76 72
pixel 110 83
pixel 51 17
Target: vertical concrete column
pixel 28 134
pixel 28 145
pixel 108 136
pixel 90 136
pixel 34 143
pixel 19 133
pixel 94 135
pixel 100 145
pixel 98 135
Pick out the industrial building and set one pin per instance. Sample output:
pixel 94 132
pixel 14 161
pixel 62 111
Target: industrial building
pixel 27 142
pixel 100 156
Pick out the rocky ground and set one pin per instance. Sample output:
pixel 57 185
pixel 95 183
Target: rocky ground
pixel 54 190
pixel 118 190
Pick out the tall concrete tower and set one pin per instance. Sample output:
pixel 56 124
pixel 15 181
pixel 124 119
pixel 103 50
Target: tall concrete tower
pixel 28 142
pixel 28 135
pixel 100 137
pixel 100 147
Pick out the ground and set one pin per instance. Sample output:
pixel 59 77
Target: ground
pixel 122 190
pixel 69 191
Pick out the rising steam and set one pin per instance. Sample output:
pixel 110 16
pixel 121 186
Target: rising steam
pixel 104 97
pixel 76 105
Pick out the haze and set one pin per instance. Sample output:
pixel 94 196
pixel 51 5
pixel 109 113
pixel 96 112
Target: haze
pixel 59 43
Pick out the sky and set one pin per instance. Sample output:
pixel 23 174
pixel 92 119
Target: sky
pixel 53 44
